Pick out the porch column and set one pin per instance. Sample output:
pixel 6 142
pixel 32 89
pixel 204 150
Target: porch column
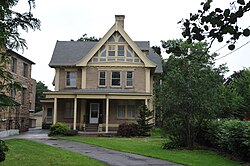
pixel 55 111
pixel 107 115
pixel 146 102
pixel 75 112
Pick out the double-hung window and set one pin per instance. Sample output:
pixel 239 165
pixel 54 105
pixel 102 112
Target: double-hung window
pixel 71 78
pixel 129 78
pixel 121 51
pixel 116 78
pixel 14 65
pixel 102 78
pixel 126 110
pixel 25 70
pixel 69 109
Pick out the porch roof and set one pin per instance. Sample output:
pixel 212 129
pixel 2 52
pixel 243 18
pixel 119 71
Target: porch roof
pixel 99 91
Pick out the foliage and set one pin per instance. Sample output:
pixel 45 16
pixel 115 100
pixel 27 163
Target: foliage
pixel 215 23
pixel 144 121
pixel 191 92
pixel 152 147
pixel 241 85
pixel 86 38
pixel 11 22
pixel 231 136
pixel 3 150
pixel 40 88
pixel 127 130
pixel 61 129
pixel 25 152
pixel 45 125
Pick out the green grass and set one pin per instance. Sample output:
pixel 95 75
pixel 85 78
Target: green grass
pixel 152 147
pixel 24 152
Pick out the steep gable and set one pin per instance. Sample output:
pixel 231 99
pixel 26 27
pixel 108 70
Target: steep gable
pixel 109 38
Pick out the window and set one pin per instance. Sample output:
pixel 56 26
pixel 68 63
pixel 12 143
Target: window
pixel 49 112
pixel 121 51
pixel 25 70
pixel 116 78
pixel 121 111
pixel 71 78
pixel 14 65
pixel 111 50
pixel 69 109
pixel 23 97
pixel 102 78
pixel 129 78
pixel 126 109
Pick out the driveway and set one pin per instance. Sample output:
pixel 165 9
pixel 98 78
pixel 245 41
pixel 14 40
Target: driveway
pixel 110 157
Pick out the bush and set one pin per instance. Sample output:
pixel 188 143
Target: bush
pixel 127 130
pixel 61 129
pixel 46 126
pixel 3 149
pixel 230 136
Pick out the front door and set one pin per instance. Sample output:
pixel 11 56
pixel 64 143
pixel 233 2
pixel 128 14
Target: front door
pixel 94 113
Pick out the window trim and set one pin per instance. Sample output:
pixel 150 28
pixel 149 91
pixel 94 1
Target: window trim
pixel 25 70
pixel 111 79
pixel 70 86
pixel 132 79
pixel 105 78
pixel 14 65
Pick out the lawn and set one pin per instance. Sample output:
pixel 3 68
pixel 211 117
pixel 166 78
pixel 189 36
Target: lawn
pixel 24 152
pixel 152 147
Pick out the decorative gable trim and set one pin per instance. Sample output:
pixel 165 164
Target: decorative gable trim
pixel 116 27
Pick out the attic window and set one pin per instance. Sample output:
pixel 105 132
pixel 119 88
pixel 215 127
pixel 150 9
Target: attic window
pixel 121 51
pixel 111 50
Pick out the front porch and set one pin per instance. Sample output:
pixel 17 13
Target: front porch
pixel 103 113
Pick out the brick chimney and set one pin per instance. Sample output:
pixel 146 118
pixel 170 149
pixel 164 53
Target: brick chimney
pixel 120 19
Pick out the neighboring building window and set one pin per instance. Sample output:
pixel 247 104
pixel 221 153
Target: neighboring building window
pixel 23 97
pixel 25 70
pixel 121 51
pixel 129 78
pixel 126 109
pixel 69 109
pixel 14 65
pixel 71 79
pixel 102 78
pixel 49 112
pixel 111 50
pixel 116 80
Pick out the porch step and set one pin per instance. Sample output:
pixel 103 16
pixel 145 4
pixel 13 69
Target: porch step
pixel 91 127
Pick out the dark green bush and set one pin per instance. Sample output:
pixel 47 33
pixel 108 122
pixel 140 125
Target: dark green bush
pixel 3 150
pixel 230 136
pixel 127 130
pixel 61 129
pixel 170 145
pixel 46 126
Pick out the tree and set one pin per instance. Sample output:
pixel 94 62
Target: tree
pixel 144 121
pixel 3 149
pixel 191 91
pixel 210 24
pixel 240 83
pixel 11 22
pixel 86 38
pixel 40 88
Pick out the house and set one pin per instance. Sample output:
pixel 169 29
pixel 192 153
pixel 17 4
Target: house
pixel 16 116
pixel 99 85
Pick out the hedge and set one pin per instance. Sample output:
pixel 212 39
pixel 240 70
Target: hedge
pixel 230 136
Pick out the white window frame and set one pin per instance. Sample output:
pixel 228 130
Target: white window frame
pixel 99 78
pixel 131 79
pixel 70 83
pixel 111 80
pixel 112 50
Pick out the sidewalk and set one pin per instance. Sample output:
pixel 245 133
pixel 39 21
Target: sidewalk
pixel 110 157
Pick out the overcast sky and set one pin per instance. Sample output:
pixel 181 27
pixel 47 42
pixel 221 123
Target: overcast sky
pixel 144 21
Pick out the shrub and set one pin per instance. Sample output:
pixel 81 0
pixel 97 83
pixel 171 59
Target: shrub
pixel 61 129
pixel 144 121
pixel 3 149
pixel 46 126
pixel 127 130
pixel 230 136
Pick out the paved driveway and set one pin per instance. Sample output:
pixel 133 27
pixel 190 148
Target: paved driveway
pixel 110 157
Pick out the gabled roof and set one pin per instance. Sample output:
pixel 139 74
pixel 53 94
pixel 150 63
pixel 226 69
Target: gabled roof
pixel 69 53
pixel 20 57
pixel 116 28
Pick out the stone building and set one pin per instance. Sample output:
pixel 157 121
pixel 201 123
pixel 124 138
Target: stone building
pixel 16 116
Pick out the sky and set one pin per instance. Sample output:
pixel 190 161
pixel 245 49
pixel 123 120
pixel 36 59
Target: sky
pixel 145 20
